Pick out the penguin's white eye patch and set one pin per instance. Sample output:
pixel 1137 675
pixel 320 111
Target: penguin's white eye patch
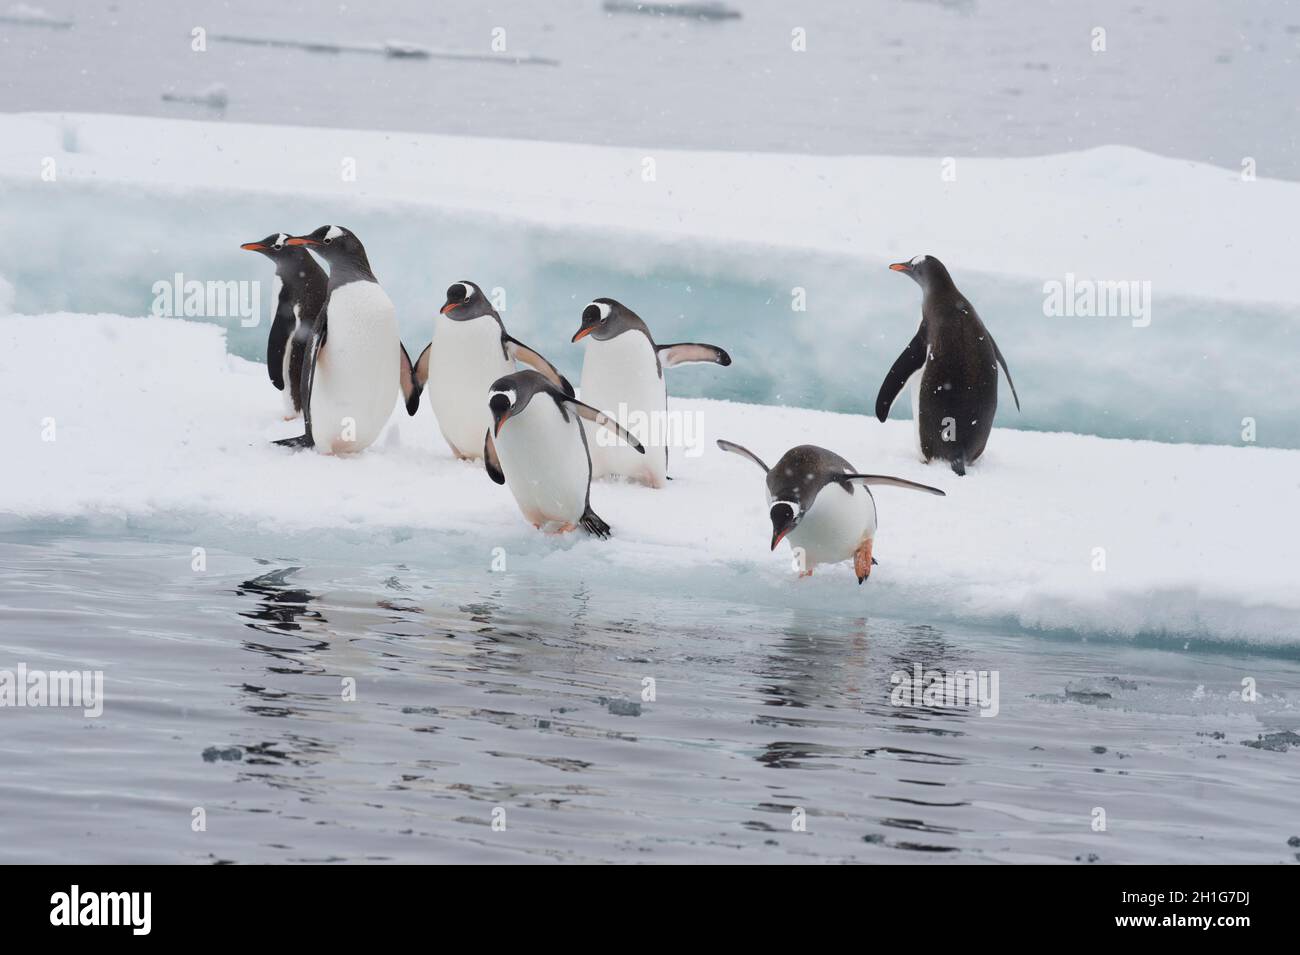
pixel 509 396
pixel 332 233
pixel 793 505
pixel 279 241
pixel 601 307
pixel 469 293
pixel 917 260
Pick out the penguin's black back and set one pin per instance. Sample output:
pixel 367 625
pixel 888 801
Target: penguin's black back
pixel 959 380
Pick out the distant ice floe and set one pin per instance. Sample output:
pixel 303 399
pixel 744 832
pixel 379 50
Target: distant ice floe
pixel 215 96
pixel 707 10
pixel 393 49
pixel 149 423
pixel 21 14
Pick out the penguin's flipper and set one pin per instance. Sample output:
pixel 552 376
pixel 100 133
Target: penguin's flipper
pixel 1006 371
pixel 320 331
pixel 491 461
pixel 276 345
pixel 421 372
pixel 905 365
pixel 605 421
pixel 743 452
pixel 411 386
pixel 887 481
pixel 299 346
pixel 684 353
pixel 593 525
pixel 518 351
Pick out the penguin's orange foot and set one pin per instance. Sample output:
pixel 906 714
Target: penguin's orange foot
pixel 566 528
pixel 862 560
pixel 805 573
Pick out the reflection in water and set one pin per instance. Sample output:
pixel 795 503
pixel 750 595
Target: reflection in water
pixel 826 675
pixel 281 606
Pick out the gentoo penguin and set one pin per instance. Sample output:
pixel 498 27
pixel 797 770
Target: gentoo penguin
pixel 956 395
pixel 356 363
pixel 299 293
pixel 469 351
pixel 623 370
pixel 824 505
pixel 537 446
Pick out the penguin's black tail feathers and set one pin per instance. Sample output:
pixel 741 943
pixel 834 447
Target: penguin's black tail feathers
pixel 959 465
pixel 297 444
pixel 593 525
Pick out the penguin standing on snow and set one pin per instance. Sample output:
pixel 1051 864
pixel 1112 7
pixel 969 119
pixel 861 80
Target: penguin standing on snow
pixel 952 365
pixel 537 446
pixel 299 293
pixel 469 351
pixel 823 505
pixel 356 363
pixel 623 370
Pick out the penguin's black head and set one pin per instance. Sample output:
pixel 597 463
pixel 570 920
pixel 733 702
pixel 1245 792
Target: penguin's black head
pixel 604 319
pixel 333 243
pixel 785 517
pixel 504 399
pixel 925 270
pixel 273 246
pixel 465 300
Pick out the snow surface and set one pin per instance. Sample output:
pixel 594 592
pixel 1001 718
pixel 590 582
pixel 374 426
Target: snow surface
pixel 1111 213
pixel 157 426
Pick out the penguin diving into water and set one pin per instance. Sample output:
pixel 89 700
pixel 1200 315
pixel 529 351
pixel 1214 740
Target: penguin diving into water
pixel 823 505
pixel 623 369
pixel 299 293
pixel 469 351
pixel 537 446
pixel 952 365
pixel 356 363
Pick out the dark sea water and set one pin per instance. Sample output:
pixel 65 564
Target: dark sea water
pixel 519 697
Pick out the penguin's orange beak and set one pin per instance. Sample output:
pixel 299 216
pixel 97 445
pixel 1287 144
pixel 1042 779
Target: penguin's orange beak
pixel 252 247
pixel 583 332
pixel 301 240
pixel 901 267
pixel 449 307
pixel 500 422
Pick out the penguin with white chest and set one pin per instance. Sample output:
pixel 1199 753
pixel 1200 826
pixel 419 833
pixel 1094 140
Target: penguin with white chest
pixel 469 351
pixel 623 370
pixel 537 446
pixel 952 365
pixel 356 364
pixel 300 289
pixel 823 505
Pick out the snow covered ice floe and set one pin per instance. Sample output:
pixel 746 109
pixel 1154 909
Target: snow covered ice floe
pixel 156 427
pixel 718 241
pixel 1090 213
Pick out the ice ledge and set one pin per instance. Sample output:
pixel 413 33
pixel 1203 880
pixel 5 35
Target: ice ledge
pixel 155 424
pixel 1112 213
